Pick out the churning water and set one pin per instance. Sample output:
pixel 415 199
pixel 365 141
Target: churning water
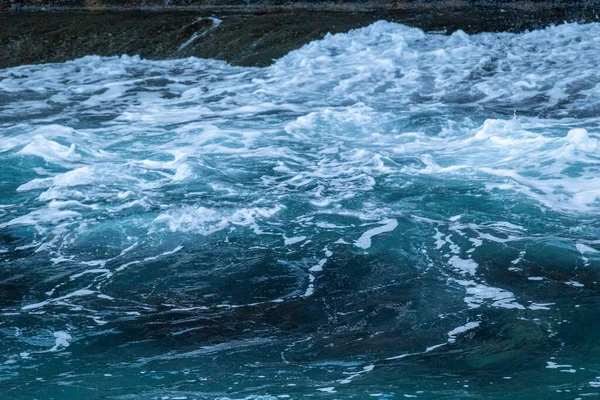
pixel 385 213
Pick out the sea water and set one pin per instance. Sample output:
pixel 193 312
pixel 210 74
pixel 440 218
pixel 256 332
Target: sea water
pixel 385 213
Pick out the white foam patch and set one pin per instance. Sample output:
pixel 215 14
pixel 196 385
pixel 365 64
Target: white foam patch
pixel 583 248
pixel 329 389
pixel 540 306
pixel 364 241
pixel 575 284
pixel 461 329
pixel 49 150
pixel 479 294
pixel 207 221
pixel 535 278
pixel 103 271
pixel 355 375
pixel 76 177
pixel 62 340
pixel 318 267
pixel 579 140
pixel 553 365
pixel 310 290
pixel 293 240
pixel 465 267
pixel 151 258
pixel 44 216
pixel 76 293
pixel 431 348
pixel 595 383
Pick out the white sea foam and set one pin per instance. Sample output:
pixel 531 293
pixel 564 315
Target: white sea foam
pixel 293 240
pixel 461 329
pixel 62 340
pixel 364 241
pixel 479 294
pixel 77 293
pixel 49 150
pixel 207 221
pixel 466 267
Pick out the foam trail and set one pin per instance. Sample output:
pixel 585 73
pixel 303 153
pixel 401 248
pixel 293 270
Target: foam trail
pixel 364 241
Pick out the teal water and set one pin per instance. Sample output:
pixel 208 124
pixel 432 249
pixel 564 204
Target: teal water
pixel 382 214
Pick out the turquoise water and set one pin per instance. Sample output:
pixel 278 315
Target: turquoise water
pixel 381 214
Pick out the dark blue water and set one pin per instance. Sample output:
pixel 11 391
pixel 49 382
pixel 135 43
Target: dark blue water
pixel 381 214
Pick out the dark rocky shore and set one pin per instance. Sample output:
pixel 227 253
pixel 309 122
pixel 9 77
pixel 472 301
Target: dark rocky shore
pixel 250 32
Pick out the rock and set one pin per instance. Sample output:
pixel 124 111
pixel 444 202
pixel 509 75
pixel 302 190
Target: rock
pixel 246 35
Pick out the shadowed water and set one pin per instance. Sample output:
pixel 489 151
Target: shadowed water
pixel 381 214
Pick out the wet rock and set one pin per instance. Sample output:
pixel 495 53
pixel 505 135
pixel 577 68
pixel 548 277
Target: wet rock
pixel 242 38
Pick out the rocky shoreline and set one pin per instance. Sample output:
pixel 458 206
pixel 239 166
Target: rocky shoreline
pixel 240 38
